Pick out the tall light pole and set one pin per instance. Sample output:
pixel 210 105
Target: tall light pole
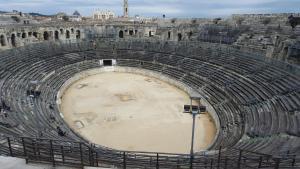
pixel 194 110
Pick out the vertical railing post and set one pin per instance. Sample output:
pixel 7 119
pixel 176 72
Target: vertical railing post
pixel 62 153
pixel 277 163
pixel 24 150
pixel 97 165
pixel 81 155
pixel 124 160
pixel 177 163
pixel 150 161
pixel 239 160
pixel 219 157
pixel 52 153
pixel 38 148
pixel 211 163
pixel 260 162
pixel 9 146
pixel 157 161
pixel 90 156
pixel 191 161
pixel 33 148
pixel 294 161
pixel 225 164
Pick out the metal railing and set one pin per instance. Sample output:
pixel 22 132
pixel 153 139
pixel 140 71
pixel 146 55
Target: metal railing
pixel 78 154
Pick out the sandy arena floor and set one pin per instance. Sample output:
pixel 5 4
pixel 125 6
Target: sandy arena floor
pixel 134 112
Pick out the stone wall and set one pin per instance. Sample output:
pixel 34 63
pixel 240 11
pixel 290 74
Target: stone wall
pixel 274 39
pixel 11 37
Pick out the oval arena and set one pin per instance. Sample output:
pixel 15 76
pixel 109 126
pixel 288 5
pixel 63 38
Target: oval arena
pixel 132 104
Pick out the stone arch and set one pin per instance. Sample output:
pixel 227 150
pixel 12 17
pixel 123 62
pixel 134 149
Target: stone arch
pixel 130 32
pixel 150 33
pixel 78 34
pixel 179 36
pixel 35 34
pixel 56 35
pixel 67 34
pixel 24 35
pixel 72 30
pixel 121 34
pixel 46 35
pixel 61 31
pixel 2 40
pixel 285 50
pixel 190 34
pixel 13 40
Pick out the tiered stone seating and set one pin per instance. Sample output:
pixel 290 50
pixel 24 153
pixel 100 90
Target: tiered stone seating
pixel 258 104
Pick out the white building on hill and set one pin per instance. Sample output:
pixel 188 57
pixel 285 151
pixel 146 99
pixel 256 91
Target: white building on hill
pixel 103 15
pixel 76 17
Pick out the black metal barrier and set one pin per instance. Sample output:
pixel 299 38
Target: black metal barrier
pixel 78 154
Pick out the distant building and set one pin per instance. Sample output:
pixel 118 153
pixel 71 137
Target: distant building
pixel 13 13
pixel 60 15
pixel 103 15
pixel 16 17
pixel 76 17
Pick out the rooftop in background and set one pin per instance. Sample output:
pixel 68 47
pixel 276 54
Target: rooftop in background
pixel 76 13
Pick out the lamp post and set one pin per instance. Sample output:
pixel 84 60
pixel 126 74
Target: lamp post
pixel 194 110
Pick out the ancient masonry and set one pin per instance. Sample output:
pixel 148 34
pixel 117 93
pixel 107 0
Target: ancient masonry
pixel 126 8
pixel 231 64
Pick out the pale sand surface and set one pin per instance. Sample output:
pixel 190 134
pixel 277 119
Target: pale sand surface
pixel 133 112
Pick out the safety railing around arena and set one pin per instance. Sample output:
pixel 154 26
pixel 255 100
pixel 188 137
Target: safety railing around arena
pixel 78 154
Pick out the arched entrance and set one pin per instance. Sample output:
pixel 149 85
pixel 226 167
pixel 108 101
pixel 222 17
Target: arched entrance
pixel 121 34
pixel 179 36
pixel 13 40
pixel 2 40
pixel 46 35
pixel 24 35
pixel 130 32
pixel 67 34
pixel 190 34
pixel 56 35
pixel 78 34
pixel 35 34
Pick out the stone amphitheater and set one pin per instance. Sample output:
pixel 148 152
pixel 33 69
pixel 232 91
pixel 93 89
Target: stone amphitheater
pixel 245 69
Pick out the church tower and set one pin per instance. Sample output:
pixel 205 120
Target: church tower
pixel 125 8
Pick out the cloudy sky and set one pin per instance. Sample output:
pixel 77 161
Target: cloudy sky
pixel 172 8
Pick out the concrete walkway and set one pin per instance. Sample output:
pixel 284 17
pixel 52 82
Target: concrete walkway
pixel 17 163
